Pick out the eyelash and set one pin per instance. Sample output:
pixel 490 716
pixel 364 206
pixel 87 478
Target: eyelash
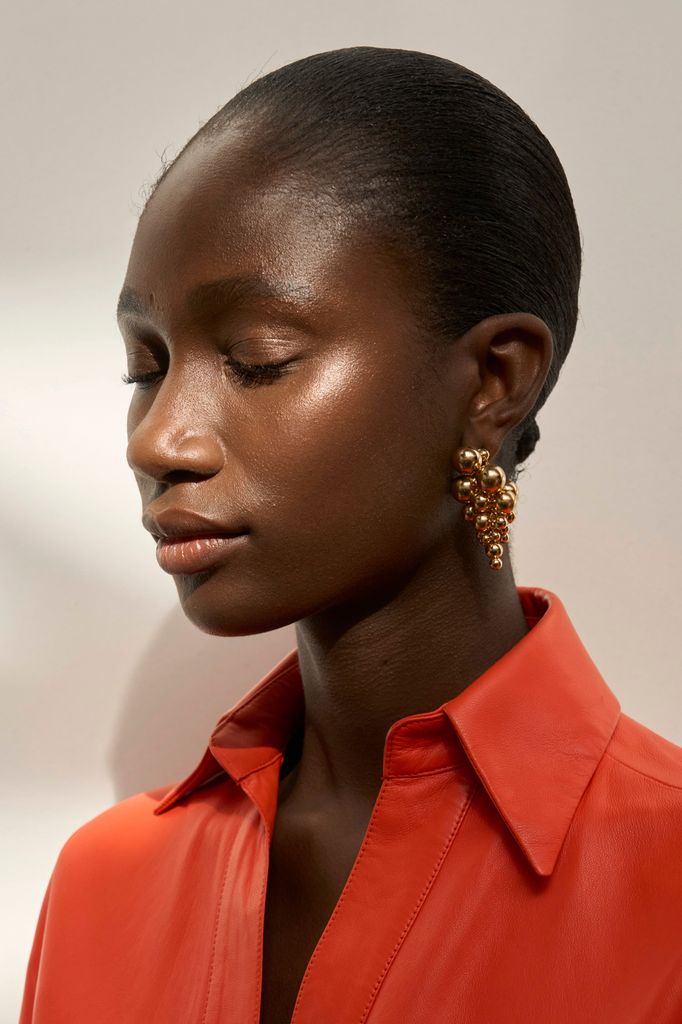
pixel 248 374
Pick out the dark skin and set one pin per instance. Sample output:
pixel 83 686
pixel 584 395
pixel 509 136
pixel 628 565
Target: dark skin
pixel 339 469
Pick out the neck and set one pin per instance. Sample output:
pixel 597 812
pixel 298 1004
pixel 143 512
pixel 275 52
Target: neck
pixel 402 651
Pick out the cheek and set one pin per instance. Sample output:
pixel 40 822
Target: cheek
pixel 351 464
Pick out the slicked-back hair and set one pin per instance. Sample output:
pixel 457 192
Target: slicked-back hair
pixel 447 171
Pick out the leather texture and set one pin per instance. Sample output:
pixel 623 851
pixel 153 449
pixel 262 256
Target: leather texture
pixel 523 863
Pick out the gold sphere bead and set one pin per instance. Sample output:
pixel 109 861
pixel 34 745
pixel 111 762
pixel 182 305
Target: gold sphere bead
pixel 481 502
pixel 482 522
pixel 505 501
pixel 495 550
pixel 492 478
pixel 496 563
pixel 469 512
pixel 511 516
pixel 463 489
pixel 485 455
pixel 501 523
pixel 467 460
pixel 495 535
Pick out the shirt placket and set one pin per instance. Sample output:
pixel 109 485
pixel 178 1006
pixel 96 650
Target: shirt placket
pixel 415 819
pixel 413 825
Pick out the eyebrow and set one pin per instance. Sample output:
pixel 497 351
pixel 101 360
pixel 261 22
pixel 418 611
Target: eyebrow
pixel 211 296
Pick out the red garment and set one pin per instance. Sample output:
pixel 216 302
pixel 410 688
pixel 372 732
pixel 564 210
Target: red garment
pixel 523 865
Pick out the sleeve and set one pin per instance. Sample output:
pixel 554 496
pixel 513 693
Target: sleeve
pixel 33 969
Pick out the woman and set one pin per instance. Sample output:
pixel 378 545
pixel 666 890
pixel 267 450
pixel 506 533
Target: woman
pixel 346 301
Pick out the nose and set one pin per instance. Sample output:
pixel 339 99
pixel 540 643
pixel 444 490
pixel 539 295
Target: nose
pixel 161 444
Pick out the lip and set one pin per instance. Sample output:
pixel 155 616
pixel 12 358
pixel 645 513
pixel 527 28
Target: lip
pixel 195 554
pixel 183 524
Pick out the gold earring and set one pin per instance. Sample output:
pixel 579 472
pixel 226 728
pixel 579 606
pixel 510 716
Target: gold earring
pixel 488 499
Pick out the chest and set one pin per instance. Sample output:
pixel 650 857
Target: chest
pixel 306 876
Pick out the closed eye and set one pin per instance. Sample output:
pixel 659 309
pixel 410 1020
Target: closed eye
pixel 248 374
pixel 253 374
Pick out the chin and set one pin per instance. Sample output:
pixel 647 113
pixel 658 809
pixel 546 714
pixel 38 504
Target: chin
pixel 231 613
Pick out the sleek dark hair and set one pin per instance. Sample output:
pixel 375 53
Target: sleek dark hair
pixel 445 169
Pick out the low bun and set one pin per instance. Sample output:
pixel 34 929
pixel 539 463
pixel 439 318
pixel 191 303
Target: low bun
pixel 526 442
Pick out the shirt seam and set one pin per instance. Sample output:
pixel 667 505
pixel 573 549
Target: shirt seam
pixel 324 937
pixel 371 1002
pixel 653 778
pixel 432 771
pixel 214 943
pixel 261 767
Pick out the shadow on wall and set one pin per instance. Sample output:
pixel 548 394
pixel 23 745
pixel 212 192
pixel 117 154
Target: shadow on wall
pixel 79 712
pixel 182 685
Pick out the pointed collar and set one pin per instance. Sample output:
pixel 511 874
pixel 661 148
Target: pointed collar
pixel 533 726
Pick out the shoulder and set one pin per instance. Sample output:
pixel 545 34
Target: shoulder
pixel 638 798
pixel 627 831
pixel 647 754
pixel 129 836
pixel 117 834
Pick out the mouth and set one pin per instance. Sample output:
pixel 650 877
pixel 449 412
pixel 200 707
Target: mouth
pixel 181 538
pixel 188 554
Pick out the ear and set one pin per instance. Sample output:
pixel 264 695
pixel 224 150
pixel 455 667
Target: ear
pixel 513 353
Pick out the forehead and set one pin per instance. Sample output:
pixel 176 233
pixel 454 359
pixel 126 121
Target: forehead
pixel 221 211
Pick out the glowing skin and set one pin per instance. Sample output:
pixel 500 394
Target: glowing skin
pixel 339 469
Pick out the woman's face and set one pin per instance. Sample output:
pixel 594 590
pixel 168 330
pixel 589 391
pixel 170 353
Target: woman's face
pixel 338 467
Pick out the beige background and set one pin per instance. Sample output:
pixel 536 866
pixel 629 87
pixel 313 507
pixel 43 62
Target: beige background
pixel 107 690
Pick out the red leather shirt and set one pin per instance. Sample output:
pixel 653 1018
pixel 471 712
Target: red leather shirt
pixel 523 863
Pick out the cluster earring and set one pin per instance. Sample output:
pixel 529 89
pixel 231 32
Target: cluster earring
pixel 488 499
